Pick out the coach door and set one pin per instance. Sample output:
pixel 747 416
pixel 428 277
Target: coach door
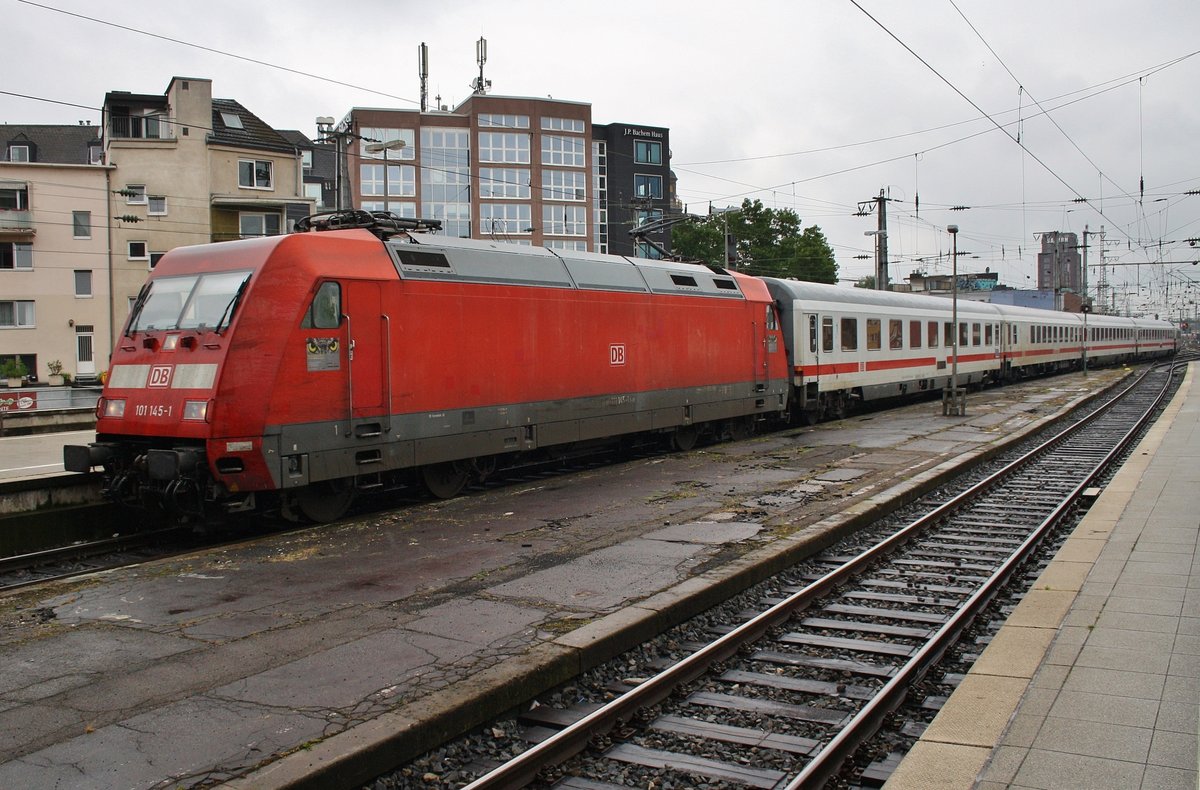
pixel 366 350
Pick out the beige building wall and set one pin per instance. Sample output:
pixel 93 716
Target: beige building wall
pixel 61 315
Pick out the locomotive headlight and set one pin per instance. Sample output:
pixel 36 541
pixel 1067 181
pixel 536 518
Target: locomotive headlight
pixel 114 407
pixel 195 410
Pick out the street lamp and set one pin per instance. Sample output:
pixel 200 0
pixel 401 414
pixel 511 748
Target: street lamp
pixel 390 145
pixel 881 271
pixel 954 400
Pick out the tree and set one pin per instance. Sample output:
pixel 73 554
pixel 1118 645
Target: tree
pixel 768 242
pixel 867 281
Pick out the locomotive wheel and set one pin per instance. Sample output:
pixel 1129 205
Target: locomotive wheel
pixel 741 428
pixel 325 501
pixel 685 437
pixel 445 480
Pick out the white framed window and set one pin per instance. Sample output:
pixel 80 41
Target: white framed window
pixel 81 224
pixel 255 173
pixel 83 283
pixel 404 153
pixel 155 257
pixel 138 251
pixel 504 147
pixel 499 183
pixel 564 220
pixel 505 218
pixel 232 120
pixel 647 152
pixel 135 194
pixel 156 205
pixel 503 121
pixel 564 244
pixel 562 151
pixel 562 125
pixel 16 255
pixel 314 191
pixel 401 180
pixel 252 224
pixel 306 159
pixel 18 153
pixel 401 208
pixel 564 185
pixel 17 313
pixel 647 186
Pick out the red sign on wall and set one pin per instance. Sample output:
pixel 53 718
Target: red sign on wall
pixel 18 401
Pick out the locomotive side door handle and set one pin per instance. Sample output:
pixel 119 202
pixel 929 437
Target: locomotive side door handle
pixel 349 377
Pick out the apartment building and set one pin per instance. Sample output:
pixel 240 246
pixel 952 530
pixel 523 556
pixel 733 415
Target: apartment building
pixel 191 169
pixel 517 169
pixel 54 283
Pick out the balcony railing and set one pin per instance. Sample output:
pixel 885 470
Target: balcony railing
pixel 15 220
pixel 143 127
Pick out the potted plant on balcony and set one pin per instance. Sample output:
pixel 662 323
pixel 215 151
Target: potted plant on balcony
pixel 14 370
pixel 56 375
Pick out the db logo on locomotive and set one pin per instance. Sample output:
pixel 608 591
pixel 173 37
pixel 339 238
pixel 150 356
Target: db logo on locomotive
pixel 160 376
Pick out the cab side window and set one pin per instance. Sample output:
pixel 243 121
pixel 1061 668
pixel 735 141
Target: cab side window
pixel 325 312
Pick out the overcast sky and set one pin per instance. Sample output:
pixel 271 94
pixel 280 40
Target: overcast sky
pixel 813 105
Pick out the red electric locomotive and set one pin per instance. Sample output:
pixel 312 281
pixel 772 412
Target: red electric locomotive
pixel 291 372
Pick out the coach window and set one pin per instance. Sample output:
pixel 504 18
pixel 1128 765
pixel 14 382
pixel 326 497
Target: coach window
pixel 812 333
pixel 963 335
pixel 874 334
pixel 914 334
pixel 948 334
pixel 850 334
pixel 975 338
pixel 987 334
pixel 932 334
pixel 827 334
pixel 895 334
pixel 325 312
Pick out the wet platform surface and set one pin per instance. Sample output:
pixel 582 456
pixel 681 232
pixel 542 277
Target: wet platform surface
pixel 1094 681
pixel 291 658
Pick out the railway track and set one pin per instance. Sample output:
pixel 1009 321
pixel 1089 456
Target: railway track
pixel 784 697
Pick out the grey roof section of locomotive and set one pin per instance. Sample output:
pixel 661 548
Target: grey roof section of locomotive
pixel 450 259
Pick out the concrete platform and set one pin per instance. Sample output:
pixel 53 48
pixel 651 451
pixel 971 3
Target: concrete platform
pixel 1094 682
pixel 323 656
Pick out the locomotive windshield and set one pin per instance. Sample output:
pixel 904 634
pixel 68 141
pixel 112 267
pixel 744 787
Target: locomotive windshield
pixel 189 302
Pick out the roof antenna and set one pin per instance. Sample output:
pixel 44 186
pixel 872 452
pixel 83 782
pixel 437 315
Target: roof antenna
pixel 423 73
pixel 479 84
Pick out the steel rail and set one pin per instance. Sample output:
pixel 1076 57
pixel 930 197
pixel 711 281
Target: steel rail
pixel 571 740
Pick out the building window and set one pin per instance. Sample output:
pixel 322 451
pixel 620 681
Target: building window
pixel 306 160
pixel 135 194
pixel 81 222
pixel 446 178
pixel 16 314
pixel 232 120
pixel 252 224
pixel 406 152
pixel 564 185
pixel 647 215
pixel 562 151
pixel 577 246
pixel 83 283
pixel 505 218
pixel 504 148
pixel 564 220
pixel 498 183
pixel 16 255
pixel 138 251
pixel 155 257
pixel 18 153
pixel 647 186
pixel 14 199
pixel 504 121
pixel 401 180
pixel 254 174
pixel 314 191
pixel 647 250
pixel 646 152
pixel 563 125
pixel 156 205
pixel 401 208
